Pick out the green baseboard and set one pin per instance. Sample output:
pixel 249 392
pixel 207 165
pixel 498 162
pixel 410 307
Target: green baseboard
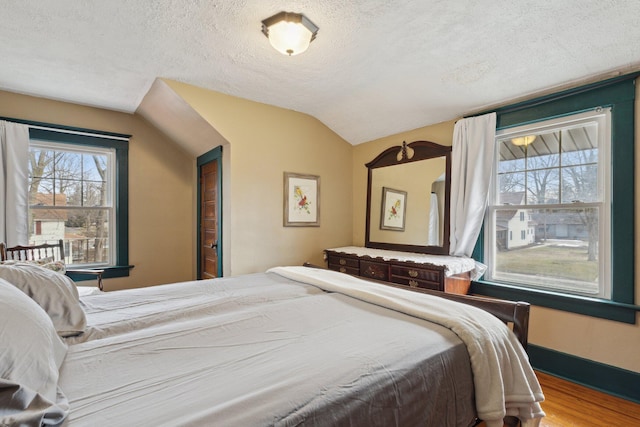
pixel 608 379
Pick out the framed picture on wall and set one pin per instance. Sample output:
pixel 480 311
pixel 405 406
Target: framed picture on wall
pixel 301 200
pixel 394 209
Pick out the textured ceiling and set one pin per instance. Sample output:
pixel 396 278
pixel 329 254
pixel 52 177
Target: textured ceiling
pixel 376 68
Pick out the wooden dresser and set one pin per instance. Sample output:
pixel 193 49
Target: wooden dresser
pixel 415 273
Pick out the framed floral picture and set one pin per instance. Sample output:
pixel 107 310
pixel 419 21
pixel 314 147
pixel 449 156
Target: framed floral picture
pixel 394 209
pixel 301 200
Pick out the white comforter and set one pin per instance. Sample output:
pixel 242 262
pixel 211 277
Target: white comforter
pixel 505 383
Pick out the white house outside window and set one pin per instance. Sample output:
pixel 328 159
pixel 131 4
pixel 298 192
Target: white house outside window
pixel 71 197
pixel 556 175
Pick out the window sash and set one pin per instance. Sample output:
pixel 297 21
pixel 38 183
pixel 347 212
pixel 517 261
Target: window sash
pixel 558 263
pixel 602 116
pixel 108 205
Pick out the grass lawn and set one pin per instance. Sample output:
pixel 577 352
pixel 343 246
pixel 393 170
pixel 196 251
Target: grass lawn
pixel 549 261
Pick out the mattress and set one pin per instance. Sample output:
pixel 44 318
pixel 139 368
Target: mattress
pixel 261 350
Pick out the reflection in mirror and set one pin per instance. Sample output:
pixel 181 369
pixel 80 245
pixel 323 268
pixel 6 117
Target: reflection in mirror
pixel 420 171
pixel 423 207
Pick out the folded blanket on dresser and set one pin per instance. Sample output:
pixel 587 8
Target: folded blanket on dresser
pixel 505 384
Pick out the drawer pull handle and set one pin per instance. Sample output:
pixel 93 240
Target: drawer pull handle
pixel 343 270
pixel 413 273
pixel 374 272
pixel 343 261
pixel 413 283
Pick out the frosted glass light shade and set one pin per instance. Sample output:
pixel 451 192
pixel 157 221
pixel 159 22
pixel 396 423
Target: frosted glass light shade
pixel 289 33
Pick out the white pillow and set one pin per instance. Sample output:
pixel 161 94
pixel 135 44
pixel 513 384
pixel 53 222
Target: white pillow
pixel 31 353
pixel 54 292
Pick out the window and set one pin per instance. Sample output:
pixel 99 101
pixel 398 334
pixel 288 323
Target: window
pixel 588 198
pixel 78 186
pixel 71 194
pixel 557 172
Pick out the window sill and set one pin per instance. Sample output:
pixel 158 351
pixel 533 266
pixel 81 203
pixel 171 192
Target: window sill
pixel 594 307
pixel 109 272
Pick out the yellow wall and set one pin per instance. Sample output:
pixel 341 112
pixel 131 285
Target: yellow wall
pixel 161 242
pixel 264 142
pixel 612 343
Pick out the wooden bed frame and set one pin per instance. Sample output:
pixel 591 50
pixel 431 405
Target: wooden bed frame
pixel 515 314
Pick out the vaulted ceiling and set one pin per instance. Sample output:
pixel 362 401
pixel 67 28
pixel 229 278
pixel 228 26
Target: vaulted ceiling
pixel 376 68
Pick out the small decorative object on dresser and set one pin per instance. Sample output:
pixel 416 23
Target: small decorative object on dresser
pixel 436 272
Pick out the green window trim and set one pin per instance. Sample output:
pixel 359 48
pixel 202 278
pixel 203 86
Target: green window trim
pixel 619 94
pixel 117 141
pixel 109 272
pixel 609 379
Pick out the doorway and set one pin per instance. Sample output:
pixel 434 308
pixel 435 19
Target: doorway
pixel 210 214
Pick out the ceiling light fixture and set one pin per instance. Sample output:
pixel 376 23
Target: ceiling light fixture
pixel 523 140
pixel 289 33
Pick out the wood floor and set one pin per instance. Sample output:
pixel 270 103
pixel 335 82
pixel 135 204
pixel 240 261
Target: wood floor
pixel 570 405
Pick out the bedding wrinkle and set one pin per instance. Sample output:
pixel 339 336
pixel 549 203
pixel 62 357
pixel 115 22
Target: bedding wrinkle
pixel 113 313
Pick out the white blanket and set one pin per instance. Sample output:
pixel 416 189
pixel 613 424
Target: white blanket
pixel 505 384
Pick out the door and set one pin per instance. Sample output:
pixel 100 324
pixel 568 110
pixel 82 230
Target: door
pixel 209 214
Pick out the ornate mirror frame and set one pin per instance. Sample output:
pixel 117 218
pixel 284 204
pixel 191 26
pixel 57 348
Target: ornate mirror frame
pixel 413 152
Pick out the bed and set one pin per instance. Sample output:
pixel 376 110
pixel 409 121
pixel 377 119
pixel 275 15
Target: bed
pixel 289 347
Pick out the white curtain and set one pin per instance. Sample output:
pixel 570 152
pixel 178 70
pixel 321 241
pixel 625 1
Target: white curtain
pixel 473 156
pixel 14 161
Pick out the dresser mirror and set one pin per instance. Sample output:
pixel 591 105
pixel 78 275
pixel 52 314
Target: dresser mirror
pixel 408 193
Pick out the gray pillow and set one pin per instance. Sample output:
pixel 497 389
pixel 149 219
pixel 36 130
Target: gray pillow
pixel 53 291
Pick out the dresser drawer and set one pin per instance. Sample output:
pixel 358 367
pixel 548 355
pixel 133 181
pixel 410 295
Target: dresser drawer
pixel 411 273
pixel 347 270
pixel 374 270
pixel 416 283
pixel 343 261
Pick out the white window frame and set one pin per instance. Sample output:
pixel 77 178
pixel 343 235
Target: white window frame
pixel 111 190
pixel 603 117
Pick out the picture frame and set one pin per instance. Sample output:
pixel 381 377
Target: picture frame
pixel 393 209
pixel 301 200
